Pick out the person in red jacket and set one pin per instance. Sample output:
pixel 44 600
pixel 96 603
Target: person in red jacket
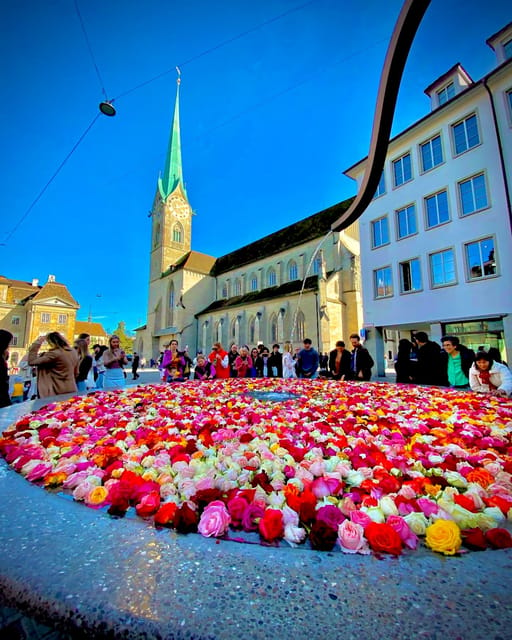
pixel 219 358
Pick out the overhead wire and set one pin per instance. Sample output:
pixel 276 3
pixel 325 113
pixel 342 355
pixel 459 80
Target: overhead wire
pixel 102 84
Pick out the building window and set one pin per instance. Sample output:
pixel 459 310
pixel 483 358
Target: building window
pixel 446 93
pixel 509 102
pixel 237 288
pixel 14 341
pixel 380 232
pixel 410 276
pixel 177 234
pixel 431 153
pixel 224 290
pixel 442 268
pixel 156 236
pixel 252 330
pixel 507 49
pixel 299 331
pixel 480 259
pixel 293 272
pixel 436 208
pixel 254 283
pixel 381 189
pixel 15 320
pixel 465 134
pixel 317 265
pixel 473 194
pixel 63 318
pixel 383 282
pixel 406 221
pixel 273 329
pixel 271 278
pixel 402 170
pixel 45 318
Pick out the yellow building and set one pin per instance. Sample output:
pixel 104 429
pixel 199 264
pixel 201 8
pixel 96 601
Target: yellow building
pixel 29 310
pixel 94 329
pixel 302 281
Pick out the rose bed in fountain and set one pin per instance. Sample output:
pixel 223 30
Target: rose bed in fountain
pixel 356 467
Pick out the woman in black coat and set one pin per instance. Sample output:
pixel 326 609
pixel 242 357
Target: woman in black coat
pixel 5 340
pixel 339 362
pixel 405 367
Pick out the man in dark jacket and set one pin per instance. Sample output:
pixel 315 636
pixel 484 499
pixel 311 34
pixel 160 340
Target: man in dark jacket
pixel 275 362
pixel 361 361
pixel 429 367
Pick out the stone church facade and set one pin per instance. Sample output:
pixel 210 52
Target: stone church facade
pixel 301 281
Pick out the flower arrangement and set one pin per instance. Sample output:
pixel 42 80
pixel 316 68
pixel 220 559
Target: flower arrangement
pixel 360 467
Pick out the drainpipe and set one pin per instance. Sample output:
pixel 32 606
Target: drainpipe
pixel 500 149
pixel 317 323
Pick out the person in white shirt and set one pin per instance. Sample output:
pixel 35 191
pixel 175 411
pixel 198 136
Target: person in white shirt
pixel 487 376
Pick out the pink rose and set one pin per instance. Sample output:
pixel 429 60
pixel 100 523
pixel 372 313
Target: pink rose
pixel 407 536
pixel 148 505
pixel 236 508
pixel 214 520
pixel 427 506
pixel 351 538
pixel 360 517
pixel 323 487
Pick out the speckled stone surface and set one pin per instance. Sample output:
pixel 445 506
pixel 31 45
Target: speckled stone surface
pixel 93 576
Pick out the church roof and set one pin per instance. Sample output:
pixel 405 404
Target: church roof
pixel 270 293
pixel 295 234
pixel 173 172
pixel 193 261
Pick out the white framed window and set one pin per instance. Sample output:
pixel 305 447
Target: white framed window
pixel 225 290
pixel 410 275
pixel 273 329
pixel 380 232
pixel 480 259
pixel 271 277
pixel 237 287
pixel 431 153
pixel 381 188
pixel 465 134
pixel 446 93
pixel 253 283
pixel 473 194
pixel 383 282
pixel 402 170
pixel 317 265
pixel 436 209
pixel 45 318
pixel 63 318
pixel 300 322
pixel 442 268
pixel 293 271
pixel 14 341
pixel 406 221
pixel 15 320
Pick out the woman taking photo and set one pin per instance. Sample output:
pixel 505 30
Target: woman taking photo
pixel 487 376
pixel 113 360
pixel 57 368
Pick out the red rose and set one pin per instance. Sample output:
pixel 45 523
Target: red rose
pixel 271 525
pixel 500 502
pixel 236 508
pixel 186 519
pixel 499 538
pixel 308 502
pixel 322 537
pixel 474 539
pixel 148 505
pixel 383 538
pixel 465 501
pixel 205 496
pixel 165 515
pixel 263 480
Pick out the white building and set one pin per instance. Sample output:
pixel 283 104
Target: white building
pixel 436 241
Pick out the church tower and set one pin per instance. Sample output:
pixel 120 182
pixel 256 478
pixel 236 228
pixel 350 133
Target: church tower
pixel 171 229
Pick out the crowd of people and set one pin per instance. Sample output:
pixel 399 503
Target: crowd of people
pixel 63 369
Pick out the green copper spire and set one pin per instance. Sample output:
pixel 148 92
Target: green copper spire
pixel 173 172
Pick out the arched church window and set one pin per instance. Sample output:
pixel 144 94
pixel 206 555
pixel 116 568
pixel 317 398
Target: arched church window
pixel 177 233
pixel 172 305
pixel 273 329
pixel 299 327
pixel 293 272
pixel 224 290
pixel 252 330
pixel 253 283
pixel 317 265
pixel 237 287
pixel 271 277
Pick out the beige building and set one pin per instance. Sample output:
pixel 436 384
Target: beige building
pixel 301 281
pixel 29 310
pixel 94 329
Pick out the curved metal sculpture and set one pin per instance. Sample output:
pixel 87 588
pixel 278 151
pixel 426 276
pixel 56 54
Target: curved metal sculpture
pixel 401 41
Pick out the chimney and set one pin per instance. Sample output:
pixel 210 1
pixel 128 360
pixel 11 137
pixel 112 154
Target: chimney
pixel 51 278
pixel 35 282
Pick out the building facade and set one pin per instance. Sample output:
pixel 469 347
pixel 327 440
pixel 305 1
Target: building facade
pixel 302 281
pixel 436 241
pixel 29 310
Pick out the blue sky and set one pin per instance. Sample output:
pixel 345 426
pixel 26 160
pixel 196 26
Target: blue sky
pixel 269 121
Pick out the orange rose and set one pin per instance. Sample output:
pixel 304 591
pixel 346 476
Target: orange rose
pixel 481 477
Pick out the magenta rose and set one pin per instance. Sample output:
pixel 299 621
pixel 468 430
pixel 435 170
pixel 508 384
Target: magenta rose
pixel 330 515
pixel 214 520
pixel 351 538
pixel 236 508
pixel 360 517
pixel 408 537
pixel 252 515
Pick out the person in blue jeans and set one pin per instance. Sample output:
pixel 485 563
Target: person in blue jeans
pixel 307 361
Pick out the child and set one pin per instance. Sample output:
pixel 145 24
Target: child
pixel 17 394
pixel 174 375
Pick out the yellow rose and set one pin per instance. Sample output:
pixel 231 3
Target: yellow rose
pixel 443 536
pixel 97 495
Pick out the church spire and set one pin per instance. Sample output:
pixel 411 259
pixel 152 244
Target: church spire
pixel 173 172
